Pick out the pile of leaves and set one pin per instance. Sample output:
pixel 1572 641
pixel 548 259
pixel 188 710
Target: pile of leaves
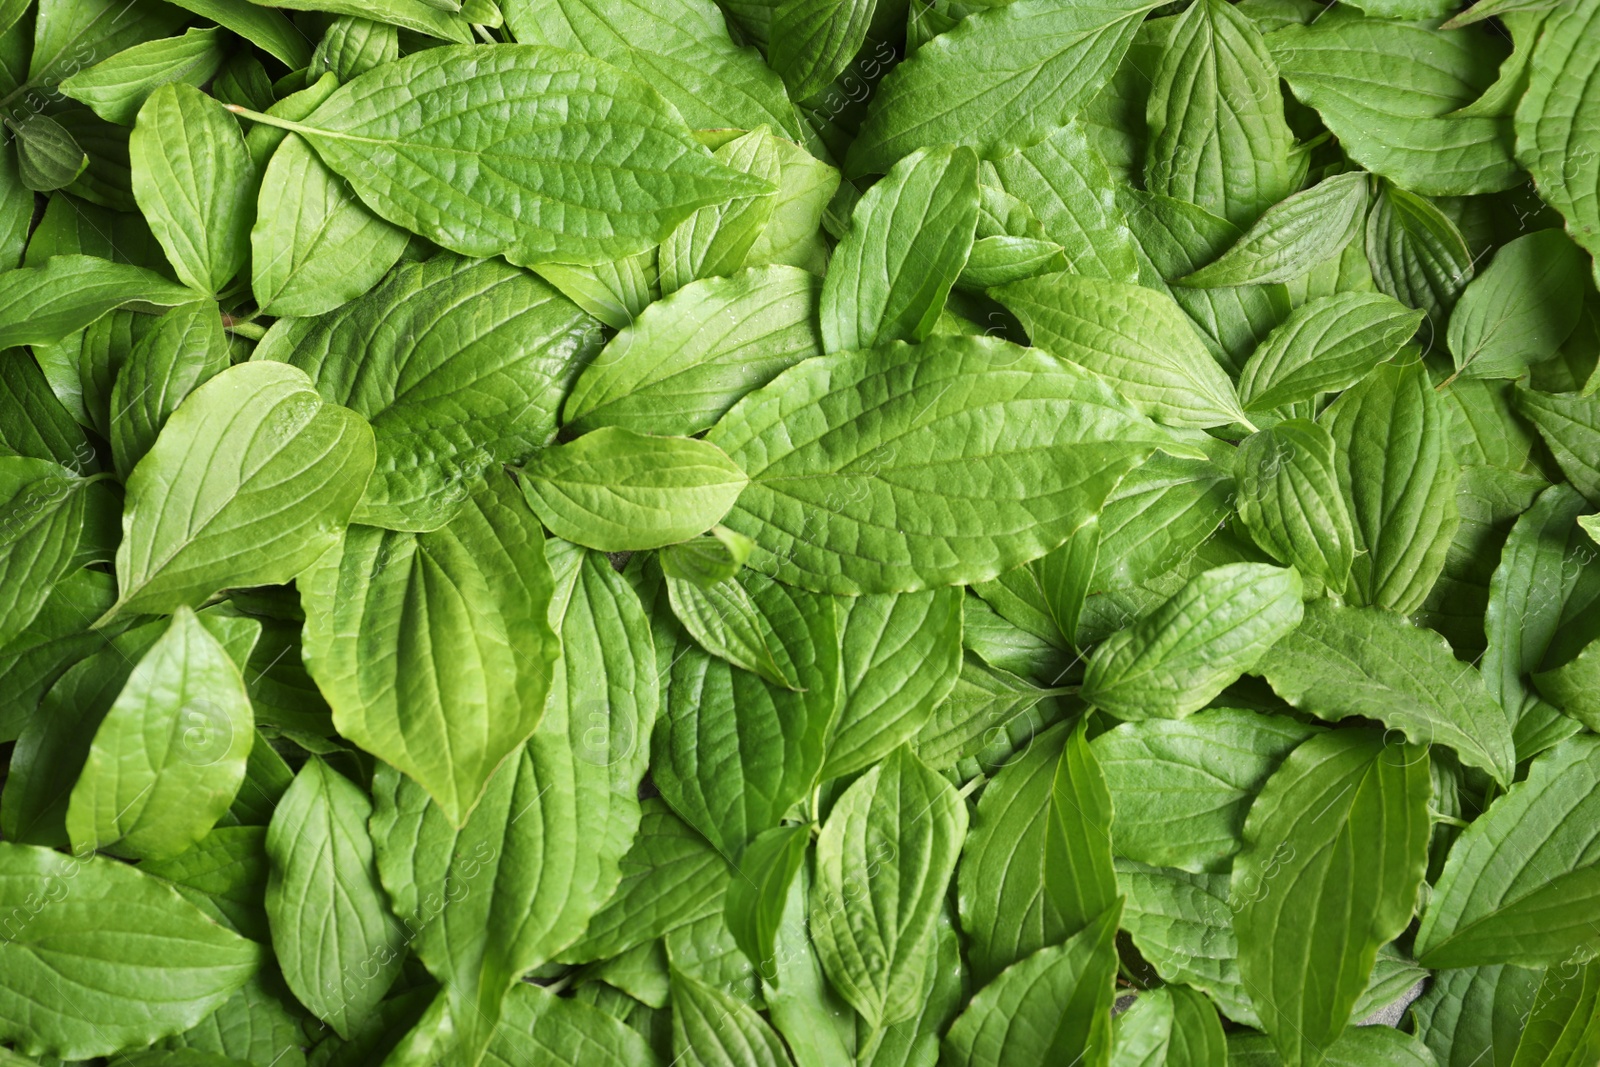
pixel 809 533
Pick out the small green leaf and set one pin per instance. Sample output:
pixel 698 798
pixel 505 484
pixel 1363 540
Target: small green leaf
pixel 759 891
pixel 1293 236
pixel 47 156
pixel 1289 500
pixel 1519 309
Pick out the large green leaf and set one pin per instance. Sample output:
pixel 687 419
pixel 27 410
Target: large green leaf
pixel 1176 659
pixel 542 852
pixel 1217 132
pixel 813 41
pixel 1386 90
pixel 338 944
pixel 1563 1028
pixel 914 466
pixel 734 751
pixel 42 305
pixel 1475 1015
pixel 1520 309
pixel 169 756
pixel 872 927
pixel 1327 344
pixel 541 191
pixel 759 892
pixel 618 490
pixel 1135 337
pixel 459 365
pixel 687 358
pixel 249 482
pixel 1335 849
pixel 1520 882
pixel 909 238
pixel 1181 788
pixel 98 957
pixel 1290 502
pixel 1399 481
pixel 193 179
pixel 901 655
pixel 434 650
pixel 1556 120
pixel 1051 1007
pixel 117 86
pixel 225 876
pixel 1003 79
pixel 1367 662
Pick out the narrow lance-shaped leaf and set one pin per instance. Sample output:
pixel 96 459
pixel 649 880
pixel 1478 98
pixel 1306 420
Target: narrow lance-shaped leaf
pixel 1327 344
pixel 1292 237
pixel 1078 874
pixel 42 305
pixel 1289 500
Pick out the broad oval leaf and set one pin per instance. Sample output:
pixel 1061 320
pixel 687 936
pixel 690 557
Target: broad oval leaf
pixel 252 478
pixel 577 161
pixel 541 1026
pixel 434 650
pixel 873 929
pixel 104 957
pixel 712 1028
pixel 1520 308
pixel 1335 850
pixel 168 757
pixel 1525 903
pixel 1345 661
pixel 909 238
pixel 915 466
pixel 1176 659
pixel 335 939
pixel 1289 500
pixel 457 364
pixel 616 490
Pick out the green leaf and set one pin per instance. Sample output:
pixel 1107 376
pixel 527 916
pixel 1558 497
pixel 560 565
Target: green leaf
pixel 1003 79
pixel 1555 127
pixel 980 710
pixel 909 238
pixel 354 45
pixel 1175 660
pixel 338 945
pixel 397 133
pixel 269 30
pixel 680 47
pixel 1335 849
pixel 1181 788
pixel 459 365
pixel 193 179
pixel 1399 482
pixel 1051 1007
pixel 1078 874
pixel 617 490
pixel 1217 132
pixel 225 876
pixel 1563 1028
pixel 440 19
pixel 1289 500
pixel 1183 925
pixel 716 239
pixel 1135 337
pixel 1293 236
pixel 539 856
pixel 1393 118
pixel 1170 1025
pixel 313 245
pixel 813 41
pixel 1327 344
pixel 872 928
pixel 1374 664
pixel 687 358
pixel 64 32
pixel 169 756
pixel 403 632
pixel 51 523
pixel 868 473
pixel 185 349
pixel 1359 1046
pixel 1520 309
pixel 759 890
pixel 1161 513
pixel 1417 254
pixel 1570 426
pixel 117 87
pixel 708 559
pixel 1066 184
pixel 1006 912
pixel 1468 1011
pixel 1524 904
pixel 42 305
pixel 205 505
pixel 541 1027
pixel 710 1028
pixel 901 655
pixel 98 957
pixel 735 752
pixel 47 156
pixel 670 877
pixel 726 622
